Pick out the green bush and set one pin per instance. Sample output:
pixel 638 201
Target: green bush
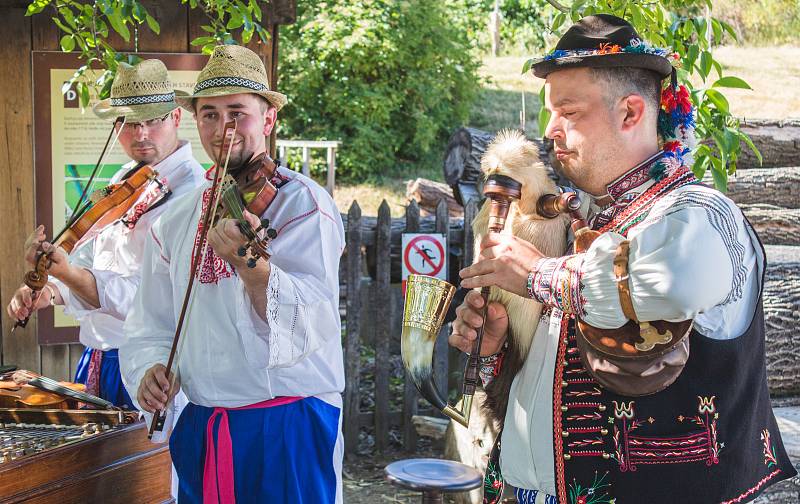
pixel 390 79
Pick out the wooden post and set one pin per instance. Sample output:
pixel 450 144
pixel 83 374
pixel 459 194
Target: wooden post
pixel 331 181
pixel 352 353
pixel 306 170
pixel 382 300
pixel 442 348
pixel 410 393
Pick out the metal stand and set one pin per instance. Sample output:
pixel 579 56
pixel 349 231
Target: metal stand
pixel 433 477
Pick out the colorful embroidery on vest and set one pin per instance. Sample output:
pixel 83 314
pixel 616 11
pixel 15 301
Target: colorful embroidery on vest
pixel 770 459
pixel 493 478
pixel 753 490
pixel 699 445
pixel 213 267
pixel 593 494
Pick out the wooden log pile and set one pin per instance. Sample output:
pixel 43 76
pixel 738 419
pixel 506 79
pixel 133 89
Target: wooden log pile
pixel 778 142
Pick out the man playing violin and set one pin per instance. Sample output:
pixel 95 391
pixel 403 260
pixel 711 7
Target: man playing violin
pixel 583 428
pixel 97 282
pixel 259 356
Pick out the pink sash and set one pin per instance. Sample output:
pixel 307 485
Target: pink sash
pixel 218 486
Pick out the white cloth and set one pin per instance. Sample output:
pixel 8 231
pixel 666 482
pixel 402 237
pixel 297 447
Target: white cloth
pixel 228 355
pixel 692 257
pixel 115 256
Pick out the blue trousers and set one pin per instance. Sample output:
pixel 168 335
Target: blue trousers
pixel 281 454
pixel 111 387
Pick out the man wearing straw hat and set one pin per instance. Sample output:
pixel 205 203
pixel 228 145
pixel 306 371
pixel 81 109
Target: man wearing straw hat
pixel 689 423
pixel 260 356
pixel 97 282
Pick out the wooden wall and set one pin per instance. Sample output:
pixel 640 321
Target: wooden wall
pixel 19 35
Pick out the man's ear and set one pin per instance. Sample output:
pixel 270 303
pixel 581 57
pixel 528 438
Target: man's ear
pixel 176 116
pixel 634 111
pixel 270 116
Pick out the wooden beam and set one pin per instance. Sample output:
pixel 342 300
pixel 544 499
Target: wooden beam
pixel 16 174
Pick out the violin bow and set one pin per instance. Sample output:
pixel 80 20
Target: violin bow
pixel 80 207
pixel 198 257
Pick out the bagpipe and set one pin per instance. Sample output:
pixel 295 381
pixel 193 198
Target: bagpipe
pixel 522 200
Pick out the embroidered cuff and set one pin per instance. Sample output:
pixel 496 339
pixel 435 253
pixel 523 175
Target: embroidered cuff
pixel 556 282
pixel 489 367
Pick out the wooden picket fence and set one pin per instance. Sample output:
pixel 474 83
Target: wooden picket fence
pixel 370 275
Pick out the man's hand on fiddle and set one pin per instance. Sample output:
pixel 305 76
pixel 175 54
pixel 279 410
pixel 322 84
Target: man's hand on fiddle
pixel 226 239
pixel 469 320
pixel 59 261
pixel 154 390
pixel 505 262
pixel 26 302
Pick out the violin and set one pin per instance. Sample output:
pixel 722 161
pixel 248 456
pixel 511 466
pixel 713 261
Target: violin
pixel 250 188
pixel 25 389
pixel 104 207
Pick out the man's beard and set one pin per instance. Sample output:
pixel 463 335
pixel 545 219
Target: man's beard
pixel 145 158
pixel 237 160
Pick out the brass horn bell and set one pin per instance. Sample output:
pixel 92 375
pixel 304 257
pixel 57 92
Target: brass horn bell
pixel 427 301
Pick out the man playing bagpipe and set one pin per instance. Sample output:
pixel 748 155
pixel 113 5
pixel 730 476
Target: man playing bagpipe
pixel 645 378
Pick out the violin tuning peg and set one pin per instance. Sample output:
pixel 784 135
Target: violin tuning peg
pixel 272 234
pixel 242 251
pixel 264 223
pixel 251 263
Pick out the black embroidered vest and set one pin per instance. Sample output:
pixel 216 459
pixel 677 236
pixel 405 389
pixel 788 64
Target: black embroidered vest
pixel 710 437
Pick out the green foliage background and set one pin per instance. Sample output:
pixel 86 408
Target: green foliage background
pixel 388 78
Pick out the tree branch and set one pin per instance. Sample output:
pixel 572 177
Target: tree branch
pixel 558 5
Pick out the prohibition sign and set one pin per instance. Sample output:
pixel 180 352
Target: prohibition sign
pixel 418 244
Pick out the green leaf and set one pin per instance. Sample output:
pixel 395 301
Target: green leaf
pixel 719 100
pixel 235 21
pixel 255 9
pixel 67 43
pixel 718 68
pixel 746 139
pixel 247 35
pixel 68 16
pixel 118 24
pixel 208 29
pixel 717 28
pixel 62 25
pixel 153 24
pixel 700 166
pixel 728 28
pixel 705 64
pixel 83 91
pixel 732 82
pixel 203 41
pixel 691 55
pixel 35 8
pixel 720 176
pixel 544 114
pixel 558 21
pixel 209 48
pixel 527 66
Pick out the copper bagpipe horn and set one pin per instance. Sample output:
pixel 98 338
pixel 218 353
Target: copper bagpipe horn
pixel 427 302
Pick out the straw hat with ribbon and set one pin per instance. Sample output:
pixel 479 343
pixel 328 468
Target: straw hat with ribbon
pixel 140 92
pixel 232 70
